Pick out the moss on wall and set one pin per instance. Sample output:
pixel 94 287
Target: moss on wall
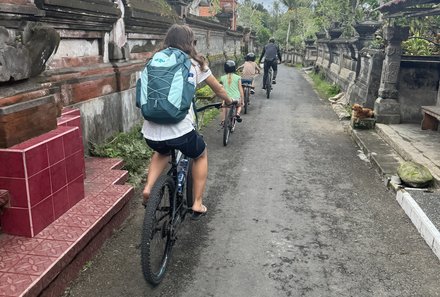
pixel 160 7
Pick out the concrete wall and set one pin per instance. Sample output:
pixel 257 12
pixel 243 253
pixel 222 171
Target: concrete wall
pixel 101 54
pixel 106 115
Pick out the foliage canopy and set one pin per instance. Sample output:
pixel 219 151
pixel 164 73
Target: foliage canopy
pixel 290 22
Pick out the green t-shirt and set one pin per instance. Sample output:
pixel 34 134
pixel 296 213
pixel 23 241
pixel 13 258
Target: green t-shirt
pixel 232 88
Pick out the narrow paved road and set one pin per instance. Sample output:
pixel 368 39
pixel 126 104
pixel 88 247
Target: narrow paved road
pixel 293 211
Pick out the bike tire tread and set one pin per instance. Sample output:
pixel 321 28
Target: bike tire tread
pixel 148 227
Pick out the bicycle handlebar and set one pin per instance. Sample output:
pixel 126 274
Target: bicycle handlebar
pixel 208 106
pixel 235 102
pixel 215 105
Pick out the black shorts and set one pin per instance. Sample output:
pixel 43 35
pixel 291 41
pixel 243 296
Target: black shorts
pixel 191 144
pixel 246 81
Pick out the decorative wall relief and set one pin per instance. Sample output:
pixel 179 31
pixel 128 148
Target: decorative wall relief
pixel 22 59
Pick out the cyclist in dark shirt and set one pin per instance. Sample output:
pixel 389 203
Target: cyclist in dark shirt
pixel 271 54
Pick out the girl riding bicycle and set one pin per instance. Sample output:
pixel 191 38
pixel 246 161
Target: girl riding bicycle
pixel 249 70
pixel 182 136
pixel 232 84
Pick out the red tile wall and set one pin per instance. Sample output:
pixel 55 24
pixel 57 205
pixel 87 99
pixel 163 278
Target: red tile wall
pixel 44 176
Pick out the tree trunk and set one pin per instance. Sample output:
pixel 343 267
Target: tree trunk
pixel 287 37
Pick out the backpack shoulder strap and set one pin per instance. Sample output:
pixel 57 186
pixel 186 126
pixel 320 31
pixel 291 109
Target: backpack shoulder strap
pixel 196 72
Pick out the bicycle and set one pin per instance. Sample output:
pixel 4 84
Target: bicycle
pixel 247 93
pixel 268 82
pixel 229 123
pixel 165 211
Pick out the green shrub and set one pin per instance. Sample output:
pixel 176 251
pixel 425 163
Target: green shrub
pixel 205 117
pixel 324 88
pixel 417 47
pixel 205 91
pixel 131 148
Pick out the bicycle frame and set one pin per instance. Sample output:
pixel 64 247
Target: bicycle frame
pixel 229 123
pixel 179 209
pixel 177 205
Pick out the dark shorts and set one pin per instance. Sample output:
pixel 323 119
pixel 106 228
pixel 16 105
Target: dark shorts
pixel 246 81
pixel 190 144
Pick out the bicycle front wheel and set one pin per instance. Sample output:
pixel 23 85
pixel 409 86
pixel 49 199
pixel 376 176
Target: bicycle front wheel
pixel 156 243
pixel 226 129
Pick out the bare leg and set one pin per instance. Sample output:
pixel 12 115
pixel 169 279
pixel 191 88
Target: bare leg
pixel 199 174
pixel 239 109
pixel 225 112
pixel 157 166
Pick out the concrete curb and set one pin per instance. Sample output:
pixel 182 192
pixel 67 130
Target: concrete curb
pixel 384 154
pixel 420 220
pixel 382 157
pixel 422 223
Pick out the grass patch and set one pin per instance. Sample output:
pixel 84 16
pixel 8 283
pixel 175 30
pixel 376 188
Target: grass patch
pixel 207 116
pixel 131 148
pixel 324 88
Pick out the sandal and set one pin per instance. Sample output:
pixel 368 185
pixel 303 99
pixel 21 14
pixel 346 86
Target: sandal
pixel 239 119
pixel 196 215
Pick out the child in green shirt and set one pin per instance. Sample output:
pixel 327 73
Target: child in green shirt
pixel 232 84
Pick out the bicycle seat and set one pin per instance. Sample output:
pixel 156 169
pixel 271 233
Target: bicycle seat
pixel 247 86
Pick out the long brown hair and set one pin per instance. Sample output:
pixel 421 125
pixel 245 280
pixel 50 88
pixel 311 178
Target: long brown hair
pixel 182 37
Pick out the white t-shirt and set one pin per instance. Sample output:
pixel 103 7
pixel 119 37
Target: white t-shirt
pixel 159 132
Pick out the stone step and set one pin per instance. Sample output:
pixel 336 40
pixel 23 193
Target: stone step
pixel 45 264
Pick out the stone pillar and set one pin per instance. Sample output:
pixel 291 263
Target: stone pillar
pixel 310 52
pixel 386 106
pixel 366 32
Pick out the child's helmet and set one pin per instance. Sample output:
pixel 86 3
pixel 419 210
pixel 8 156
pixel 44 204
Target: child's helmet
pixel 230 66
pixel 250 57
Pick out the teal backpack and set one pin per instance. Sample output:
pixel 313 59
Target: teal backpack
pixel 166 88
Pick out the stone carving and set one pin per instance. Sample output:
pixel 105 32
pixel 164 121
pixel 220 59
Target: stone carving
pixel 393 50
pixel 26 58
pixel 391 76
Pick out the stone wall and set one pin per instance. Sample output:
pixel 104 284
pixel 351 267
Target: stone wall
pixel 358 71
pixel 418 86
pixel 293 57
pixel 364 88
pixel 101 50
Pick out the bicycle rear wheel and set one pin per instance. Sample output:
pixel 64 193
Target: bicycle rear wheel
pixel 246 99
pixel 268 84
pixel 156 243
pixel 226 128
